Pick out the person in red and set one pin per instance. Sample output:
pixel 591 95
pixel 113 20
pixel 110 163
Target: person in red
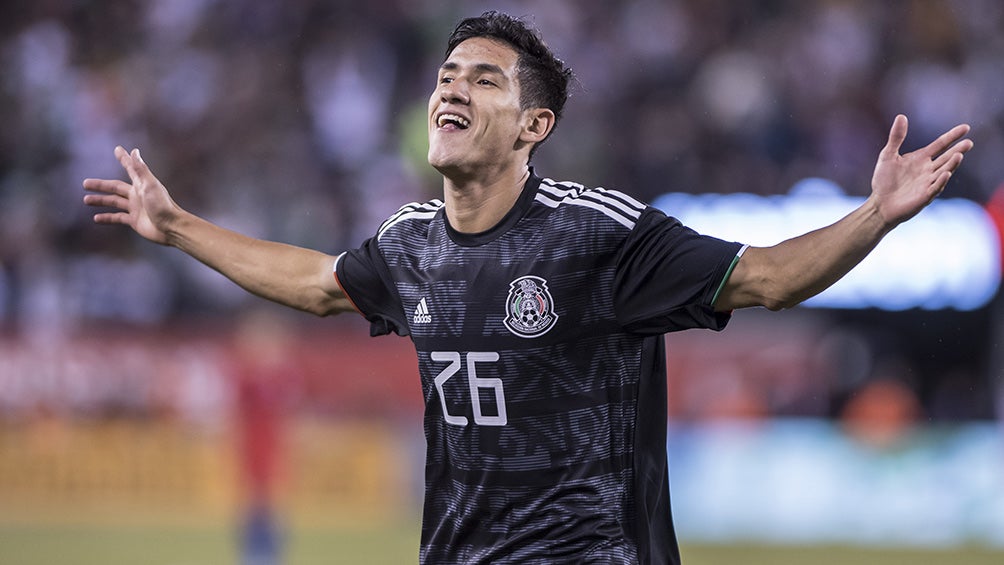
pixel 264 385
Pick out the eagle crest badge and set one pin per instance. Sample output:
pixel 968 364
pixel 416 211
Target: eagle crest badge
pixel 529 307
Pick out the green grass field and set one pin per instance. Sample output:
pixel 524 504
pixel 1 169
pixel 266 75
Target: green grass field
pixel 93 545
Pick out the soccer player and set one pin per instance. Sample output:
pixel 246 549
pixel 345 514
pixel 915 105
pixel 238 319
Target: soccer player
pixel 536 307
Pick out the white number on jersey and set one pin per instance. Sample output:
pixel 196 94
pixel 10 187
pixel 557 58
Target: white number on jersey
pixel 474 383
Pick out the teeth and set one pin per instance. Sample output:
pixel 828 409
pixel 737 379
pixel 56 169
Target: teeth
pixel 447 118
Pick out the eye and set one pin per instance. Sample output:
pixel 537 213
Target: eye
pixel 486 82
pixel 445 80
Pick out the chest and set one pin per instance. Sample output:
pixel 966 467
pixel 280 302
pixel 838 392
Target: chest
pixel 523 286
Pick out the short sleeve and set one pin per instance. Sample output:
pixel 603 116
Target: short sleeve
pixel 668 276
pixel 365 278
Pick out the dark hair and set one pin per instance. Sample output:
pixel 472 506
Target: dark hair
pixel 543 78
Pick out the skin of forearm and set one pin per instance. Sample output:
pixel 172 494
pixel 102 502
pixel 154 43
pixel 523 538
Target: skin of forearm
pixel 802 267
pixel 293 276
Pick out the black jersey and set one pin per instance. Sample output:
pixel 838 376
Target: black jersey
pixel 541 357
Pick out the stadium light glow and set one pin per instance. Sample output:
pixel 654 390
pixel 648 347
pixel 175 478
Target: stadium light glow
pixel 947 257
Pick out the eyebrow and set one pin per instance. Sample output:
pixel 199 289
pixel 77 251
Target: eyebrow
pixel 480 68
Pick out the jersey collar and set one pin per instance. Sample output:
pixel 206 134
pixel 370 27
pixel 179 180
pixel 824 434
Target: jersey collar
pixel 513 216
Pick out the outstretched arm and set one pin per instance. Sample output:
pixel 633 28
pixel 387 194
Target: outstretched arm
pixel 293 276
pixel 799 268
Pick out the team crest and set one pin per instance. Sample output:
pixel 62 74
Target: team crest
pixel 529 308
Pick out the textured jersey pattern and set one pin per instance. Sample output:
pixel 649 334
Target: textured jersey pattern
pixel 531 384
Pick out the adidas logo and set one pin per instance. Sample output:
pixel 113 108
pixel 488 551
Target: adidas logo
pixel 422 315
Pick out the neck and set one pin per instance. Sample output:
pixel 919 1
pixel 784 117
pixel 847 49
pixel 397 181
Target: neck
pixel 474 205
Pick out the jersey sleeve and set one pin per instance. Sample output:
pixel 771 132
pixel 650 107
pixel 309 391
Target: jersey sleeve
pixel 668 276
pixel 365 278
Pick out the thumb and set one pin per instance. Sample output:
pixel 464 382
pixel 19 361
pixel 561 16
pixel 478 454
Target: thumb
pixel 897 133
pixel 139 167
pixel 138 161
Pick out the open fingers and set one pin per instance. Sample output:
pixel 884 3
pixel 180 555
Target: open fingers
pixel 957 150
pixel 948 167
pixel 960 148
pixel 941 182
pixel 107 186
pixel 946 140
pixel 126 161
pixel 107 201
pixel 133 163
pixel 111 218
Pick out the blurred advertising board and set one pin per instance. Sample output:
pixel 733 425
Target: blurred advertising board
pixel 816 482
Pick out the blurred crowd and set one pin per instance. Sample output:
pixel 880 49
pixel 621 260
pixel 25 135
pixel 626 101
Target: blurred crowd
pixel 304 120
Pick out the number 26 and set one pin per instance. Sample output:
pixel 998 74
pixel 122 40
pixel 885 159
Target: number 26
pixel 474 382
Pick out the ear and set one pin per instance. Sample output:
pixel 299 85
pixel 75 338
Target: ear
pixel 538 122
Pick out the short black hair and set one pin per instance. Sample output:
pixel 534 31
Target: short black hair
pixel 543 78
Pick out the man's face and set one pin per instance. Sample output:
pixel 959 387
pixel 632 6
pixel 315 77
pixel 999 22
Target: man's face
pixel 474 112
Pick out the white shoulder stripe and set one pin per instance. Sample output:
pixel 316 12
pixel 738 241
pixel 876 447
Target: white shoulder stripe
pixel 562 189
pixel 567 184
pixel 627 200
pixel 410 207
pixel 547 200
pixel 614 204
pixel 605 197
pixel 411 211
pixel 626 222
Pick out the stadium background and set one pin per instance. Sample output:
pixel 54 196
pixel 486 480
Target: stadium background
pixel 131 378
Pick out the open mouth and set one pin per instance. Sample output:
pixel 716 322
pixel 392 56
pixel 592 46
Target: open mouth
pixel 452 122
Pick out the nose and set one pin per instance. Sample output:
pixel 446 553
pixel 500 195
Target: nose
pixel 455 92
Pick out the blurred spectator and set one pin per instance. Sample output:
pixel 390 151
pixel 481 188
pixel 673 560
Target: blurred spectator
pixel 266 380
pixel 882 413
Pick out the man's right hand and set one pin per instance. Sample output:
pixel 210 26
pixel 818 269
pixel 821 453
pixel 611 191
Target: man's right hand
pixel 295 276
pixel 144 205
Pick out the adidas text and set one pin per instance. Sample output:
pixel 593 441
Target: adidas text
pixel 422 315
